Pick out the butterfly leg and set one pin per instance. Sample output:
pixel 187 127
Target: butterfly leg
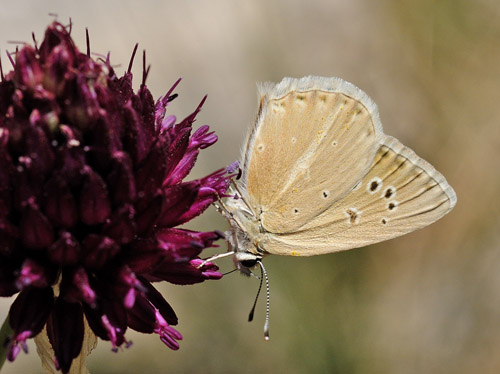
pixel 215 257
pixel 222 209
pixel 240 196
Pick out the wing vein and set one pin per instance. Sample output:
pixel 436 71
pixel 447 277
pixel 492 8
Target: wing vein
pixel 423 211
pixel 418 195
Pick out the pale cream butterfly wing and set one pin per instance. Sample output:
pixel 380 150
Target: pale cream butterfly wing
pixel 311 136
pixel 400 193
pixel 320 176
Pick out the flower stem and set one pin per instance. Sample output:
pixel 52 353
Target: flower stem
pixel 5 332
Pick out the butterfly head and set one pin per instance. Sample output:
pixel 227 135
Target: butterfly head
pixel 246 261
pixel 246 255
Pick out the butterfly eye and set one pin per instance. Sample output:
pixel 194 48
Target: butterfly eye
pixel 248 263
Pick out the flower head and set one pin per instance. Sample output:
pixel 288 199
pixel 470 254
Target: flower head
pixel 92 187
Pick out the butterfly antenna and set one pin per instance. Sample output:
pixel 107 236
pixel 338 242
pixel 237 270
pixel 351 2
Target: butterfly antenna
pixel 263 275
pixel 268 297
pixel 250 316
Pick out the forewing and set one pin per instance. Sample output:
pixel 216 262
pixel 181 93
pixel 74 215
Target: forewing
pixel 400 193
pixel 314 139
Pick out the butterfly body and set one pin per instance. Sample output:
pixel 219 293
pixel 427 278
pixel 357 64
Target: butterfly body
pixel 320 176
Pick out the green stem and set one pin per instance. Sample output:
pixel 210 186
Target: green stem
pixel 5 332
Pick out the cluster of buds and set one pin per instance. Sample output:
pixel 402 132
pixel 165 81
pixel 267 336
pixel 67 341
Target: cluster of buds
pixel 91 190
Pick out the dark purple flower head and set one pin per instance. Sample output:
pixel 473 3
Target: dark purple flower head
pixel 91 188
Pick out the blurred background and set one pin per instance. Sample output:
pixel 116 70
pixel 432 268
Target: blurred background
pixel 426 302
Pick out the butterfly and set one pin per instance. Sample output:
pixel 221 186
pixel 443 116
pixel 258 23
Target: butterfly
pixel 318 175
